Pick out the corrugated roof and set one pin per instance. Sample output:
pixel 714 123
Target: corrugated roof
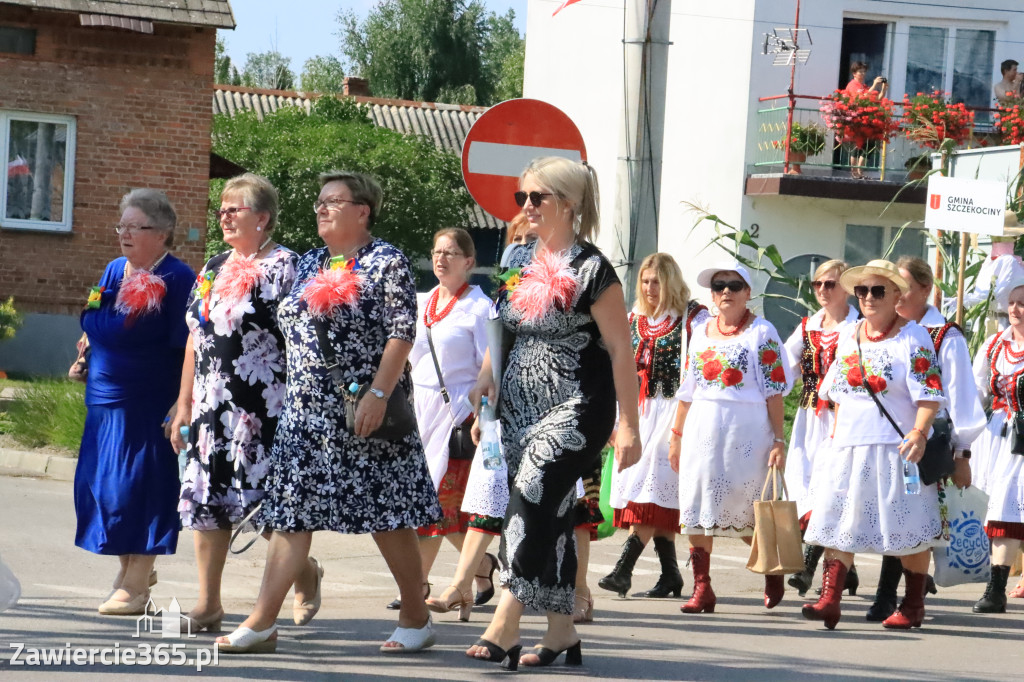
pixel 446 124
pixel 216 13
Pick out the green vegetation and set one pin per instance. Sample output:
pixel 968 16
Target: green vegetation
pixel 422 184
pixel 46 412
pixel 10 320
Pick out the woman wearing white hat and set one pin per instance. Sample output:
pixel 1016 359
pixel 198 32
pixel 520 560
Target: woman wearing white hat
pixel 998 370
pixel 860 500
pixel 735 375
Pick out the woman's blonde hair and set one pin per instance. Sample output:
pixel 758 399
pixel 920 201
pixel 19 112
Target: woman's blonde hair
pixel 919 271
pixel 840 266
pixel 574 182
pixel 675 295
pixel 258 193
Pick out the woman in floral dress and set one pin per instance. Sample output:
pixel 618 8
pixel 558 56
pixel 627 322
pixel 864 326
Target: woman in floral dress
pixel 728 428
pixel 810 350
pixel 570 363
pixel 232 384
pixel 357 294
pixel 858 493
pixel 646 496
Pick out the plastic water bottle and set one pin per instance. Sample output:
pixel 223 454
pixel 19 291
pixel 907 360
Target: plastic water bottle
pixel 182 454
pixel 911 478
pixel 490 444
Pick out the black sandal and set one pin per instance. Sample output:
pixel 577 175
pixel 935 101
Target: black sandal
pixel 508 659
pixel 485 596
pixel 573 655
pixel 396 604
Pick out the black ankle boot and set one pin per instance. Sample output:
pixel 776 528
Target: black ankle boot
pixel 671 580
pixel 802 581
pixel 621 577
pixel 852 581
pixel 994 599
pixel 885 594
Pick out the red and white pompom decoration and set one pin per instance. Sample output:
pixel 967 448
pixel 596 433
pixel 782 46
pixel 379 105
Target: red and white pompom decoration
pixel 236 278
pixel 141 292
pixel 548 281
pixel 332 289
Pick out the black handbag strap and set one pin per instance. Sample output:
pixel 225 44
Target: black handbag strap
pixel 327 350
pixel 440 378
pixel 867 386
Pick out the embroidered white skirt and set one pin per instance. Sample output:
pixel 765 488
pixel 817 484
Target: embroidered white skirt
pixel 722 466
pixel 651 480
pixel 809 435
pixel 486 489
pixel 1003 476
pixel 985 450
pixel 859 504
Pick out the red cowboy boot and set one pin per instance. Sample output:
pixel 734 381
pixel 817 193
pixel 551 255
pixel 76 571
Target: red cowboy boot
pixel 832 583
pixel 774 588
pixel 910 613
pixel 703 599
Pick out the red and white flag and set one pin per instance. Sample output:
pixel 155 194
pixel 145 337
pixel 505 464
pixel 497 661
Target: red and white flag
pixel 563 6
pixel 18 167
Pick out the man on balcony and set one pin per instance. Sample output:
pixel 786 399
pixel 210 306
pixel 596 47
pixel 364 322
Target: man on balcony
pixel 1009 87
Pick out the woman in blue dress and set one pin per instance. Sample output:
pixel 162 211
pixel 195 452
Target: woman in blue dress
pixel 126 483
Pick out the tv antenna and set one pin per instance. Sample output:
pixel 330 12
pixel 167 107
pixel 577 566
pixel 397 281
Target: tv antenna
pixel 784 44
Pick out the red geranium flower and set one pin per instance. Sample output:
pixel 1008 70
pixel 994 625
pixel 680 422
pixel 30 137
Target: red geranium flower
pixel 712 370
pixel 854 378
pixel 769 357
pixel 732 376
pixel 877 384
pixel 779 375
pixel 921 365
pixel 933 381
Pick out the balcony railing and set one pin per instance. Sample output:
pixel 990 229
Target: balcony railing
pixel 883 161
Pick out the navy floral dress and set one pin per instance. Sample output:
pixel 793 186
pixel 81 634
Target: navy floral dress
pixel 322 477
pixel 237 394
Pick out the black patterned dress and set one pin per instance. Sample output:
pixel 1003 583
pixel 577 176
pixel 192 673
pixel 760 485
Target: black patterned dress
pixel 557 410
pixel 237 392
pixel 322 477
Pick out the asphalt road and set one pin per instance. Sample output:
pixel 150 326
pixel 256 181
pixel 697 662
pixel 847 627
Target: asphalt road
pixel 630 639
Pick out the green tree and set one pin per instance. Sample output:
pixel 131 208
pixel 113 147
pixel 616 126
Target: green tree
pixel 504 55
pixel 422 184
pixel 10 319
pixel 224 72
pixel 269 70
pixel 433 50
pixel 322 74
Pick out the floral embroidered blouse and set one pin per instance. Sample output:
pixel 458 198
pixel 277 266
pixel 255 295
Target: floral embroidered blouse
pixel 901 370
pixel 746 368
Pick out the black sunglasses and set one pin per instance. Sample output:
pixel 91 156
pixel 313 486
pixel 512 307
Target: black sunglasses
pixel 877 291
pixel 825 285
pixel 735 286
pixel 534 197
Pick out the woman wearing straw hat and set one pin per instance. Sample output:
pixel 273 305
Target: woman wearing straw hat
pixel 735 377
pixel 860 499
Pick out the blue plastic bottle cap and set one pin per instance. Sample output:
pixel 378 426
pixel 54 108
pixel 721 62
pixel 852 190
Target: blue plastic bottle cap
pixel 483 401
pixel 183 431
pixel 353 387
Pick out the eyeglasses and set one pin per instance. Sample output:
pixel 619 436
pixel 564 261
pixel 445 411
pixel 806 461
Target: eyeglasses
pixel 734 285
pixel 447 254
pixel 333 203
pixel 535 198
pixel 877 292
pixel 131 229
pixel 231 212
pixel 824 284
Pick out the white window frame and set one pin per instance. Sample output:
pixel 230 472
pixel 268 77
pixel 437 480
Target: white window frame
pixel 64 224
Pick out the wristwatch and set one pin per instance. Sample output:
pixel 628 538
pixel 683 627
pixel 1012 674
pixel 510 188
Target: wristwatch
pixel 962 454
pixel 377 393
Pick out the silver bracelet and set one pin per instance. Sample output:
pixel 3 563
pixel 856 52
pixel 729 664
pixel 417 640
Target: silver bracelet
pixel 779 440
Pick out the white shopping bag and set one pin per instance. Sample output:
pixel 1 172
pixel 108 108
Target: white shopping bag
pixel 966 559
pixel 10 588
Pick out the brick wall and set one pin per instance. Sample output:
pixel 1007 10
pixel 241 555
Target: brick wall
pixel 142 107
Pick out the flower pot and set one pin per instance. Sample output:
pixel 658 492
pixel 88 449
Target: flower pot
pixel 916 174
pixel 795 159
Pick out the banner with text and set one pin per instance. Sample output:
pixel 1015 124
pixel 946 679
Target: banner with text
pixel 957 205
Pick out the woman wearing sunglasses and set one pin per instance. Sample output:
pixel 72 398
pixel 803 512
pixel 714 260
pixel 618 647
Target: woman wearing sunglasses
pixel 646 496
pixel 999 367
pixel 570 363
pixel 860 500
pixel 964 409
pixel 810 351
pixel 728 427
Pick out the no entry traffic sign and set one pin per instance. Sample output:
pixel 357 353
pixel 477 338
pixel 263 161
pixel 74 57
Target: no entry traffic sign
pixel 503 142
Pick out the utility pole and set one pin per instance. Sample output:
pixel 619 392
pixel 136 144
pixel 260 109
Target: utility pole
pixel 638 192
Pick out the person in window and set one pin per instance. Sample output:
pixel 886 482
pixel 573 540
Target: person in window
pixel 728 427
pixel 126 481
pixel 1010 86
pixel 861 502
pixel 857 85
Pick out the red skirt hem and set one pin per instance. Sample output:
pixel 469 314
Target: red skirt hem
pixel 647 514
pixel 1009 530
pixel 450 494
